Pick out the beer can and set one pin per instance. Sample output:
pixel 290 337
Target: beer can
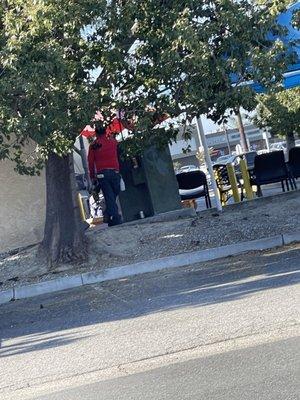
pixel 141 214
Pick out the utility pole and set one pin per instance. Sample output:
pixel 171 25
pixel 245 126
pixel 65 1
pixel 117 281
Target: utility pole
pixel 203 142
pixel 227 138
pixel 241 129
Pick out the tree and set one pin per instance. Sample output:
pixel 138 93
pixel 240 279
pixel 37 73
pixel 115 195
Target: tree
pixel 280 112
pixel 61 61
pixel 203 54
pixel 48 93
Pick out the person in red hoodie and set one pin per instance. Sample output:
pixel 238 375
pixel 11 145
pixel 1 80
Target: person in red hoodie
pixel 104 171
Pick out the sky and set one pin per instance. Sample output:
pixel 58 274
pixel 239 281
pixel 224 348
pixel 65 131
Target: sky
pixel 209 126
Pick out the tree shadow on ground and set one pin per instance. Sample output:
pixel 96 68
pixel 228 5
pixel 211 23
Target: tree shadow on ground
pixel 43 322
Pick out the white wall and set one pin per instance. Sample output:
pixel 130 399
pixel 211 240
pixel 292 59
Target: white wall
pixel 22 208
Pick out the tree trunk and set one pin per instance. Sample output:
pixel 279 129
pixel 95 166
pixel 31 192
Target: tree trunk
pixel 64 240
pixel 241 129
pixel 290 141
pixel 227 139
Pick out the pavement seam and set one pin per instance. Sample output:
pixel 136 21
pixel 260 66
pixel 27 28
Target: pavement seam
pixel 176 261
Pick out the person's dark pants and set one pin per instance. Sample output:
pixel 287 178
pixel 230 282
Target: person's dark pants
pixel 109 182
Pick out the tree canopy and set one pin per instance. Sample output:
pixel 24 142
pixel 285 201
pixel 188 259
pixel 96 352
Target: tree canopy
pixel 62 61
pixel 46 91
pixel 280 112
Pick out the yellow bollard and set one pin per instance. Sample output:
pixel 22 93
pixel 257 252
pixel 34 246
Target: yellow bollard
pixel 246 179
pixel 81 208
pixel 233 183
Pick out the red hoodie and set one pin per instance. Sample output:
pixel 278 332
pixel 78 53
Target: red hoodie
pixel 103 154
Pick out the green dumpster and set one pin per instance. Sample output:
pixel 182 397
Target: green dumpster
pixel 150 185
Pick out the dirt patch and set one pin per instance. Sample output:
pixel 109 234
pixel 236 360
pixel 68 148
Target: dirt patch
pixel 127 244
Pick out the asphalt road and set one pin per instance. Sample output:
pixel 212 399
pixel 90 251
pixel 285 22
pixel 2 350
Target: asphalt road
pixel 225 329
pixel 265 372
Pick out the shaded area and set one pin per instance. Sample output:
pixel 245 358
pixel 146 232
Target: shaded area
pixel 38 322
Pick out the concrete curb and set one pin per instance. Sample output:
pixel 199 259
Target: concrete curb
pixel 179 260
pixel 55 285
pixel 6 296
pixel 289 238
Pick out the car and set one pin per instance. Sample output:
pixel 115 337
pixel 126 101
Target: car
pixel 297 143
pixel 278 146
pixel 262 151
pixel 187 168
pixel 228 159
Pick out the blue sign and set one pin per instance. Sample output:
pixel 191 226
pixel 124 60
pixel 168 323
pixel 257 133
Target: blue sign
pixel 292 77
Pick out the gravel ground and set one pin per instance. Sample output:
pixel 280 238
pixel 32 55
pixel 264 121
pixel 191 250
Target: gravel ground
pixel 127 244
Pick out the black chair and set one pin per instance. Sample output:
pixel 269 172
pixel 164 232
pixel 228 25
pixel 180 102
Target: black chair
pixel 192 185
pixel 223 182
pixel 250 157
pixel 270 168
pixel 294 163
